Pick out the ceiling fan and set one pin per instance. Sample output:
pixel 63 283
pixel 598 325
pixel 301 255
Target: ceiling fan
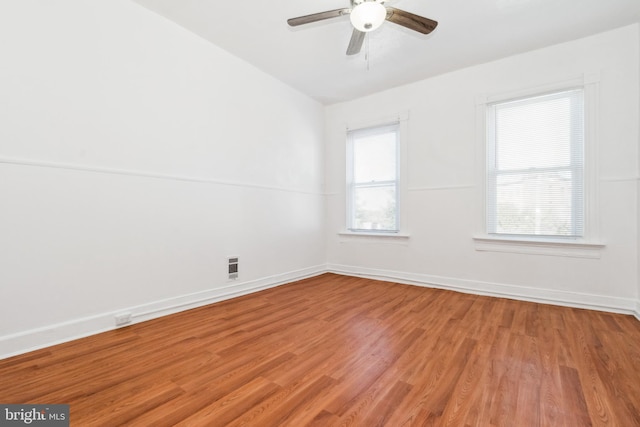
pixel 366 16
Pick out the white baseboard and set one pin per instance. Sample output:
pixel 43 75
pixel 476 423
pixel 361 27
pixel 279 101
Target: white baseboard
pixel 546 296
pixel 34 339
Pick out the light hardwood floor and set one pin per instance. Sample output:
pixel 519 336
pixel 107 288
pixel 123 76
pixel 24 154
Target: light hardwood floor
pixel 344 351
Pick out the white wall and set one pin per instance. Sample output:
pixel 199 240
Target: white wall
pixel 134 158
pixel 443 182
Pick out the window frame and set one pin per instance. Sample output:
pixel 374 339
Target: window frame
pixel 587 246
pixel 401 123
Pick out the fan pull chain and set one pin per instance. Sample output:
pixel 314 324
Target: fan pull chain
pixel 366 51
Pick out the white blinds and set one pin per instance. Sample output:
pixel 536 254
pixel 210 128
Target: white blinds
pixel 535 165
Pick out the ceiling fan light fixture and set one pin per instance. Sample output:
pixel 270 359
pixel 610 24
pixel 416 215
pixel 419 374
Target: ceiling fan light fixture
pixel 368 15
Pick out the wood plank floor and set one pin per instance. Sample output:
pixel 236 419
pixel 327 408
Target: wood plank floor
pixel 343 351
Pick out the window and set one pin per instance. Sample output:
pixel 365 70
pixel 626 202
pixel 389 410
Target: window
pixel 372 179
pixel 535 166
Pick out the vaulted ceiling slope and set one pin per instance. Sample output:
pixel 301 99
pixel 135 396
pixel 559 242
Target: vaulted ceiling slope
pixel 312 59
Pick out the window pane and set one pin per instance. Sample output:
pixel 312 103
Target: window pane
pixel 375 208
pixel 538 132
pixel 535 204
pixel 374 157
pixel 534 135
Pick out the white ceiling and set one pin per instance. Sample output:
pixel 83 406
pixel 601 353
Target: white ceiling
pixel 312 58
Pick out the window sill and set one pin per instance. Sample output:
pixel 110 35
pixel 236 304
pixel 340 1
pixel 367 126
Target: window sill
pixel 387 236
pixel 573 249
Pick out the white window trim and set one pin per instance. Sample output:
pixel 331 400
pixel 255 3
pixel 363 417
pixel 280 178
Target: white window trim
pixel 402 119
pixel 588 246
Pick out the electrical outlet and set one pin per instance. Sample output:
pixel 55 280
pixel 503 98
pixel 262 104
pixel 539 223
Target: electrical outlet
pixel 123 319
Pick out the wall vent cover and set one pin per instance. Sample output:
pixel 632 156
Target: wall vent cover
pixel 233 268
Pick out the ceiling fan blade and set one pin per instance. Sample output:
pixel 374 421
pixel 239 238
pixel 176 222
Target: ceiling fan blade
pixel 314 17
pixel 355 44
pixel 411 21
